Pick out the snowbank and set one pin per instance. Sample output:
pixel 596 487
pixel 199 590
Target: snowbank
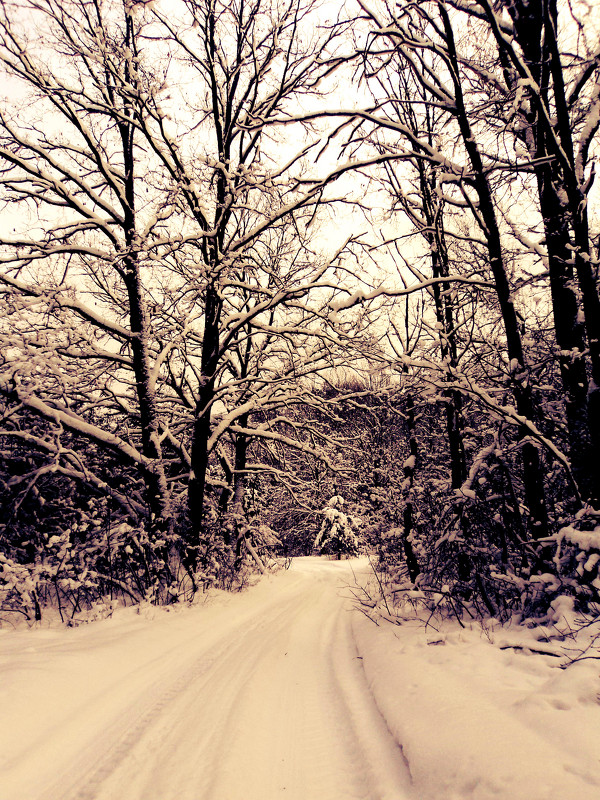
pixel 479 723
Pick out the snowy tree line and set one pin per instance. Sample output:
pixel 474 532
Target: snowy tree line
pixel 196 357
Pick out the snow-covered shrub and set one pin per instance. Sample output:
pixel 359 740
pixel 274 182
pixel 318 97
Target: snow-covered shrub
pixel 388 546
pixel 256 543
pixel 95 559
pixel 577 560
pixel 219 563
pixel 338 533
pixel 478 578
pixel 573 556
pixel 99 609
pixel 19 589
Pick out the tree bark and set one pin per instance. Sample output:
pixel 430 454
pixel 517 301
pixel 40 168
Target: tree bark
pixel 532 473
pixel 202 423
pixel 158 492
pixel 409 474
pixel 563 208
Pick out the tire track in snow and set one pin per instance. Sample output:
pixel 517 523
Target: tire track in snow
pixel 78 731
pixel 142 723
pixel 276 706
pixel 296 749
pixel 389 770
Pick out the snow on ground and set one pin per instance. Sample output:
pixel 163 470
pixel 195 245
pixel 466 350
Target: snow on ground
pixel 286 690
pixel 476 721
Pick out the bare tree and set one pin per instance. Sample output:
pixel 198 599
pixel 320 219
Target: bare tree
pixel 552 107
pixel 422 41
pixel 159 274
pixel 526 105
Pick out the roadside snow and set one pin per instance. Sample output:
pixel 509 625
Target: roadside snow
pixel 287 691
pixel 478 722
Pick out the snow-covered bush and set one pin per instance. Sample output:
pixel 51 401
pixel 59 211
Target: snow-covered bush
pixel 95 560
pixel 231 550
pixel 338 533
pixel 573 558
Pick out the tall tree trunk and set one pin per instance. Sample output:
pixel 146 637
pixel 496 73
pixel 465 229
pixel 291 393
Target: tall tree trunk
pixel 155 478
pixel 564 211
pixel 239 484
pixel 428 219
pixel 444 312
pixel 407 487
pixel 532 473
pixel 202 425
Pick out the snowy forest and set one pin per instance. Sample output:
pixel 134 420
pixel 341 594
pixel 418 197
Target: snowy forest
pixel 280 277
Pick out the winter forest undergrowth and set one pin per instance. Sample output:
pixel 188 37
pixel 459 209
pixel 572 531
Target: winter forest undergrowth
pixel 282 277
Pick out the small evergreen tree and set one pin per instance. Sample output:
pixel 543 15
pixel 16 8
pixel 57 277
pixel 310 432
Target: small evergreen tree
pixel 337 535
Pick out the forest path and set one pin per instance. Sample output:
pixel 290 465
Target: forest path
pixel 261 695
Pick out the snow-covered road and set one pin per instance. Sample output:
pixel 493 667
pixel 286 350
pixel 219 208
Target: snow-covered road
pixel 255 697
pixel 287 691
